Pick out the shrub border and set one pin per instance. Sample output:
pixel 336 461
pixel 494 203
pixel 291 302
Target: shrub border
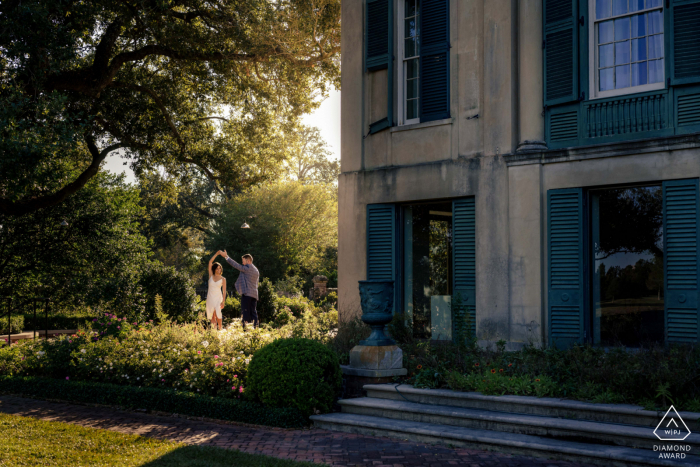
pixel 154 399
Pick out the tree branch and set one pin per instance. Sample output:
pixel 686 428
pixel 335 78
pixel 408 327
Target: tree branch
pixel 18 208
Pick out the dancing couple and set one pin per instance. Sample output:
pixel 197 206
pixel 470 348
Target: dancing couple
pixel 246 286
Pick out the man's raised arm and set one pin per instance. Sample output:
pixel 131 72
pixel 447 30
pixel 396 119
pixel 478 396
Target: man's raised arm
pixel 230 261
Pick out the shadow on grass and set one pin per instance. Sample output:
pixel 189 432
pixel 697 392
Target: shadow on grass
pixel 204 456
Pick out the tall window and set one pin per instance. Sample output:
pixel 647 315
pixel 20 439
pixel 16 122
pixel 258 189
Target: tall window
pixel 411 54
pixel 628 46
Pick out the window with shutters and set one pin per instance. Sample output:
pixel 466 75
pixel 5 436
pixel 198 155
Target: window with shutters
pixel 423 69
pixel 626 51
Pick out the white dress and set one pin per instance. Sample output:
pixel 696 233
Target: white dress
pixel 214 298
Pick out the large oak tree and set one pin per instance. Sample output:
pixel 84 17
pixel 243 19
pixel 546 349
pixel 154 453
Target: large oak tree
pixel 181 86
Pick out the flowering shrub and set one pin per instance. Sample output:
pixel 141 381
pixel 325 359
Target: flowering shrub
pixel 185 357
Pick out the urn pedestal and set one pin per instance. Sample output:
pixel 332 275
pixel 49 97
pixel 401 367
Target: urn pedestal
pixel 377 359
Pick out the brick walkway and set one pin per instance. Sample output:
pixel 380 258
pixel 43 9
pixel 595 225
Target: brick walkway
pixel 337 449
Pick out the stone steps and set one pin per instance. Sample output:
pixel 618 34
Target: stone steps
pixel 561 428
pixel 513 443
pixel 603 434
pixel 551 407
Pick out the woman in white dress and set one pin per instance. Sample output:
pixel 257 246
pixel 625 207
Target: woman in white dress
pixel 216 296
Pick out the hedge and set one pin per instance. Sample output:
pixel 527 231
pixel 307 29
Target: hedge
pixel 164 400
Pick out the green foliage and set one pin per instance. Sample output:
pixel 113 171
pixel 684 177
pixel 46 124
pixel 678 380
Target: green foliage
pixel 349 334
pixel 57 321
pixel 290 285
pixel 296 373
pixel 16 321
pixel 183 87
pixel 297 305
pixel 175 289
pixel 652 377
pixel 267 300
pixel 164 400
pixel 293 227
pixel 97 258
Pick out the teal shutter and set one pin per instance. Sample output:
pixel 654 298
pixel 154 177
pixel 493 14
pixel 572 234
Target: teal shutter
pixel 561 51
pixel 464 265
pixel 434 60
pixel 681 259
pixel 379 51
pixel 381 244
pixel 685 41
pixel 566 278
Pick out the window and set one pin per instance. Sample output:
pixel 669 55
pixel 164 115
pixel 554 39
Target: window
pixel 409 47
pixel 627 46
pixel 628 266
pixel 427 260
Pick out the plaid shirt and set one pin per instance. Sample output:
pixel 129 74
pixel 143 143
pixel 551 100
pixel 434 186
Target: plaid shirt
pixel 247 282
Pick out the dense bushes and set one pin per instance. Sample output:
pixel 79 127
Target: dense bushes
pixel 164 400
pixel 652 377
pixel 298 373
pixel 17 322
pixel 174 287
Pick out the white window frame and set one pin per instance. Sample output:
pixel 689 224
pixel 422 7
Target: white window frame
pixel 401 67
pixel 593 56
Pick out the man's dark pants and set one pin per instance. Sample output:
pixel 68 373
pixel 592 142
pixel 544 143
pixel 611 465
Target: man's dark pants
pixel 249 309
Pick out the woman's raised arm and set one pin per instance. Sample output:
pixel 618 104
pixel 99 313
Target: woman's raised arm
pixel 211 261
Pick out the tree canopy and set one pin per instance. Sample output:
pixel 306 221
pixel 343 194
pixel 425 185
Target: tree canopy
pixel 190 87
pixel 293 229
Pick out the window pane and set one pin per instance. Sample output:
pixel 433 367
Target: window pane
pixel 639 26
pixel 606 55
pixel 656 71
pixel 607 79
pixel 628 272
pixel 619 7
pixel 656 46
pixel 639 49
pixel 411 109
pixel 410 8
pixel 622 52
pixel 622 77
pixel 636 5
pixel 410 27
pixel 639 73
pixel 656 22
pixel 602 8
pixel 622 29
pixel 412 68
pixel 653 3
pixel 605 32
pixel 410 47
pixel 412 88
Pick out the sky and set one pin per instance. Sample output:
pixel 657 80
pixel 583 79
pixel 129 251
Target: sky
pixel 326 118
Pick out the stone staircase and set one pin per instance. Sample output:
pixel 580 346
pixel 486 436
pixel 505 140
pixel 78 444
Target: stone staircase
pixel 603 434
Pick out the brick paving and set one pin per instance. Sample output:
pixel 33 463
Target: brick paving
pixel 320 446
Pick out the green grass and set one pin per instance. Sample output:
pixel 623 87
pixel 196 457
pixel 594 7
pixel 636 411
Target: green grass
pixel 26 441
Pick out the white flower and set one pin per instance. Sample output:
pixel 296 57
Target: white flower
pixel 100 359
pixel 195 379
pixel 82 350
pixel 202 371
pixel 137 378
pixel 247 361
pixel 205 344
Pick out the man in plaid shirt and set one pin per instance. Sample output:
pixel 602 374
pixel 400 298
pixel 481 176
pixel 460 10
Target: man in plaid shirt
pixel 247 286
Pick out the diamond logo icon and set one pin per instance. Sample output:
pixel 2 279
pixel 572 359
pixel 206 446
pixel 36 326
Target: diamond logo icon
pixel 672 427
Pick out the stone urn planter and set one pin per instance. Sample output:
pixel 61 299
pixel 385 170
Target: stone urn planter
pixel 377 301
pixel 376 359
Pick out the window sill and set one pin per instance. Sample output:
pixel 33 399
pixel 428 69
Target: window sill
pixel 416 126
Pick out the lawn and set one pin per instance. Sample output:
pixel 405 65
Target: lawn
pixel 26 441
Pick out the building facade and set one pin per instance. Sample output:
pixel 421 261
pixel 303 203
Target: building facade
pixel 526 169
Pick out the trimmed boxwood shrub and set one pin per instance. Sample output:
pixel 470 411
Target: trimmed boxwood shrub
pixel 298 373
pixel 164 400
